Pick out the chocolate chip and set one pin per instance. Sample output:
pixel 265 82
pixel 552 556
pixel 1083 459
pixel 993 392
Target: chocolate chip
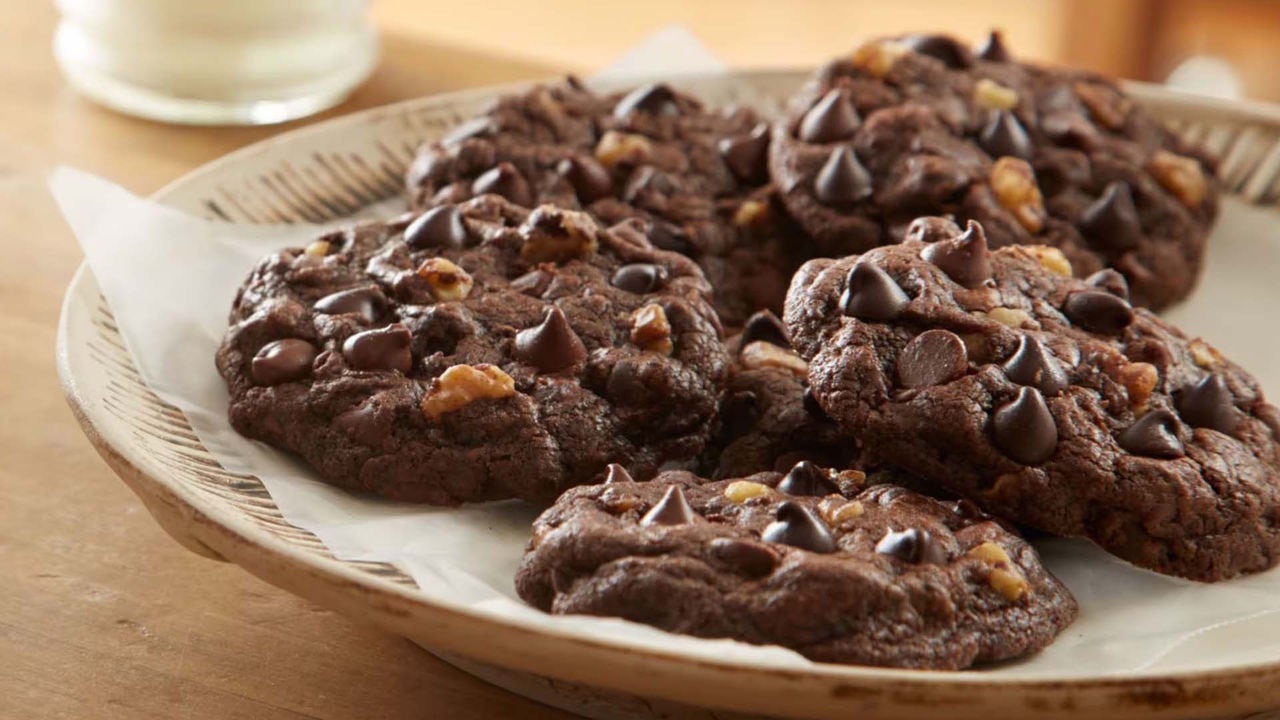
pixel 476 127
pixel 533 283
pixel 672 509
pixel 745 155
pixel 647 179
pixel 941 47
pixel 914 546
pixel 439 227
pixel 963 258
pixel 811 404
pixel 764 326
pixel 931 358
pixel 842 179
pixel 994 50
pixel 871 295
pixel 797 526
pixel 750 559
pixel 1153 435
pixel 1209 404
pixel 738 415
pixel 639 278
pixel 655 99
pixel 666 236
pixel 282 361
pixel 1004 136
pixel 1110 281
pixel 965 509
pixel 551 345
pixel 367 302
pixel 504 180
pixel 931 229
pixel 832 118
pixel 381 349
pixel 807 479
pixel 589 179
pixel 1112 220
pixel 1032 365
pixel 615 473
pixel 1098 311
pixel 1024 429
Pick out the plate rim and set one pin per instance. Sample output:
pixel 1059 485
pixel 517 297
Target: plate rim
pixel 217 530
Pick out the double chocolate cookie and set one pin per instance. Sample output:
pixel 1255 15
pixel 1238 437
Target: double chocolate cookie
pixel 694 179
pixel 809 560
pixel 923 125
pixel 476 351
pixel 1048 400
pixel 768 420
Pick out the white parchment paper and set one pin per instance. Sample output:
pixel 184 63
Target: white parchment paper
pixel 170 279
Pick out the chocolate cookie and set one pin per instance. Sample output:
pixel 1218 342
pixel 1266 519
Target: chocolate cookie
pixel 808 560
pixel 476 351
pixel 767 419
pixel 1046 399
pixel 923 125
pixel 694 179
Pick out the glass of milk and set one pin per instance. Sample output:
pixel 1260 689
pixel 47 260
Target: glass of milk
pixel 220 62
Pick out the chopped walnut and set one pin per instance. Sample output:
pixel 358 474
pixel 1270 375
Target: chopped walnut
pixel 1180 175
pixel 1014 184
pixel 448 281
pixel 761 354
pixel 317 248
pixel 1051 259
pixel 994 96
pixel 877 56
pixel 1204 354
pixel 740 491
pixel 847 511
pixel 1008 583
pixel 1107 107
pixel 1011 317
pixel 1139 380
pixel 618 503
pixel 555 235
pixel 857 478
pixel 461 385
pixel 619 147
pixel 989 552
pixel 751 212
pixel 650 329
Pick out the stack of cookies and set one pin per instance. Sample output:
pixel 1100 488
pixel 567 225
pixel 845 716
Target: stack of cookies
pixel 791 381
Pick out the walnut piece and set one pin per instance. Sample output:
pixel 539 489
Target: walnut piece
pixel 751 212
pixel 877 56
pixel 740 491
pixel 1008 583
pixel 462 385
pixel 847 511
pixel 1107 107
pixel 761 354
pixel 1011 317
pixel 448 281
pixel 650 329
pixel 1051 259
pixel 1014 184
pixel 618 147
pixel 989 552
pixel 1180 175
pixel 1139 379
pixel 317 248
pixel 1204 354
pixel 552 234
pixel 994 96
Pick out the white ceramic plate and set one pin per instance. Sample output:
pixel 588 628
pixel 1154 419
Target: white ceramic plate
pixel 333 169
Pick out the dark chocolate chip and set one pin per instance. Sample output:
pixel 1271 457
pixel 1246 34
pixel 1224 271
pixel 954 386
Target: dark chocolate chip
pixel 381 349
pixel 648 179
pixel 672 509
pixel 941 47
pixel 1153 435
pixel 931 229
pixel 1112 220
pixel 931 358
pixel 745 155
pixel 965 509
pixel 914 546
pixel 764 326
pixel 504 180
pixel 1209 404
pixel 842 180
pixel 797 526
pixel 655 99
pixel 739 413
pixel 362 424
pixel 811 404
pixel 666 236
pixel 1004 136
pixel 588 178
pixel 1098 311
pixel 870 294
pixel 1024 429
pixel 439 227
pixel 282 361
pixel 367 302
pixel 964 258
pixel 807 479
pixel 534 282
pixel 551 345
pixel 639 278
pixel 476 127
pixel 994 50
pixel 1111 281
pixel 615 473
pixel 749 558
pixel 1034 366
pixel 832 118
